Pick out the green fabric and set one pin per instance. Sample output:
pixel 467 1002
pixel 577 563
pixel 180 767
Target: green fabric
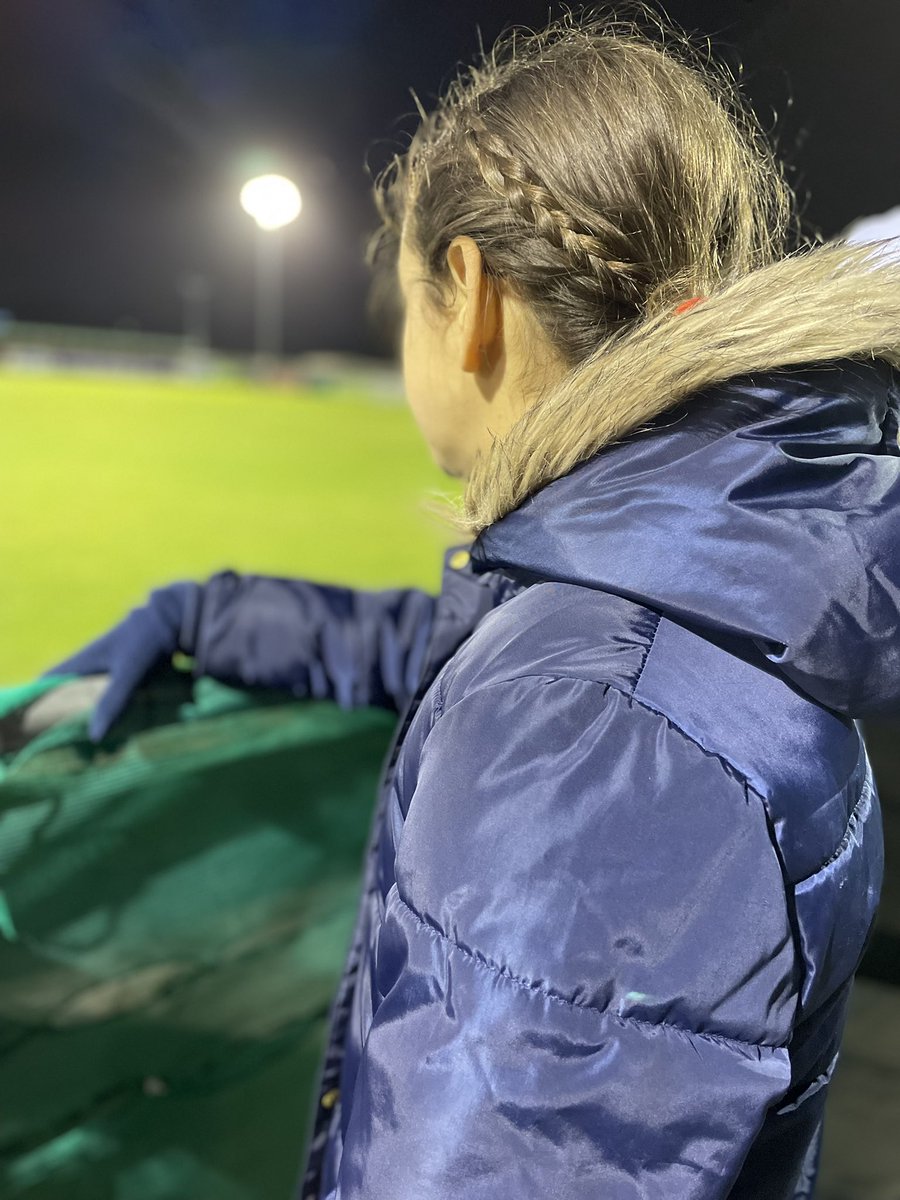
pixel 25 693
pixel 175 911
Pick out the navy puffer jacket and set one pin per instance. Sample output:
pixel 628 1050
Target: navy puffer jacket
pixel 627 849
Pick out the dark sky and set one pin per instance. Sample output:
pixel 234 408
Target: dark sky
pixel 126 127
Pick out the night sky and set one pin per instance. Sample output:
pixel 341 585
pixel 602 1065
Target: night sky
pixel 127 126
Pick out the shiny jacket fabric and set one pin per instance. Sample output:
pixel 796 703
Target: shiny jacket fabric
pixel 627 848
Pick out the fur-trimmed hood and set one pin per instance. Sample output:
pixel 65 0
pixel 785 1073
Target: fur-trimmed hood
pixel 760 503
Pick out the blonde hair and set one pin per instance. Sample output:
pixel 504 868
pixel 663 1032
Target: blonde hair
pixel 607 170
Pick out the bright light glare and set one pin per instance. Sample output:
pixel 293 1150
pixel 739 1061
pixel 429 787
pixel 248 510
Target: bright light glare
pixel 271 200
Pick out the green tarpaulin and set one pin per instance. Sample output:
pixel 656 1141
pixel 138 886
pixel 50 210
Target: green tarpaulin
pixel 175 910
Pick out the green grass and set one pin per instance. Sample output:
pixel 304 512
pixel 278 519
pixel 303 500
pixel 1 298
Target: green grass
pixel 113 486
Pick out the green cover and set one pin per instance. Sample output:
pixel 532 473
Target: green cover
pixel 175 911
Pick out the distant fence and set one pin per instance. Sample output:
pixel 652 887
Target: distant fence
pixel 26 345
pixel 32 346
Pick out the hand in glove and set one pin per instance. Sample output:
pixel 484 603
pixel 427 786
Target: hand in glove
pixel 147 636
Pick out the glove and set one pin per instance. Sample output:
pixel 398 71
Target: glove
pixel 148 636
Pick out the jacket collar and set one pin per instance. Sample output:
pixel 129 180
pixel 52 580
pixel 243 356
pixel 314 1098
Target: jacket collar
pixel 766 507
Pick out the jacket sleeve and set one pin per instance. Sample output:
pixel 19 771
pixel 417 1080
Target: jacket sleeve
pixel 319 640
pixel 585 980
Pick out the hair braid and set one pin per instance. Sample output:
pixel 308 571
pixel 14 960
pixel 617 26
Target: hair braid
pixel 543 213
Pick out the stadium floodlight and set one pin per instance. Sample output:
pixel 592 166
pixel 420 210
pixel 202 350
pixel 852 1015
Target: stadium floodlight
pixel 273 201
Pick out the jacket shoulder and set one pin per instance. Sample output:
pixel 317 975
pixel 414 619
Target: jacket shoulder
pixel 559 833
pixel 557 629
pixel 806 762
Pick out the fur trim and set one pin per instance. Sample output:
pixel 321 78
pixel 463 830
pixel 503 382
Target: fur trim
pixel 833 301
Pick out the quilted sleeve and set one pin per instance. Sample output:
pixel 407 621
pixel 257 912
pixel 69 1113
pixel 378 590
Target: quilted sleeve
pixel 586 977
pixel 320 640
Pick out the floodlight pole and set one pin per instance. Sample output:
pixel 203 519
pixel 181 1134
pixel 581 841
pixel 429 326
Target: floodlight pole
pixel 269 297
pixel 195 294
pixel 273 202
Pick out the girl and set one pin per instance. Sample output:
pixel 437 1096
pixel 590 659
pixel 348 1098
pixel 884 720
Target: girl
pixel 627 850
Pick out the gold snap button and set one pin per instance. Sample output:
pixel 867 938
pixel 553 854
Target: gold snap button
pixel 459 559
pixel 329 1098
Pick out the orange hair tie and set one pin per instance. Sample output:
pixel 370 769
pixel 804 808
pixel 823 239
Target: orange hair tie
pixel 686 304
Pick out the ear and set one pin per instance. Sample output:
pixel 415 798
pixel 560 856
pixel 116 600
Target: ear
pixel 481 302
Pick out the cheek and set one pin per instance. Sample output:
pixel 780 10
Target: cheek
pixel 417 372
pixel 412 384
pixel 429 393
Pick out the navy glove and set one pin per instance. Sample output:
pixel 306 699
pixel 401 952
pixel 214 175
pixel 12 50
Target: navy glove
pixel 146 637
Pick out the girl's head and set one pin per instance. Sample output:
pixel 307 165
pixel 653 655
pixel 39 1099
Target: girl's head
pixel 574 184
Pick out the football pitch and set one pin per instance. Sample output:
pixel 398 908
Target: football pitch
pixel 113 486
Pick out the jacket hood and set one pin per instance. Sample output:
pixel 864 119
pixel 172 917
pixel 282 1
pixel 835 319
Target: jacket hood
pixel 765 507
